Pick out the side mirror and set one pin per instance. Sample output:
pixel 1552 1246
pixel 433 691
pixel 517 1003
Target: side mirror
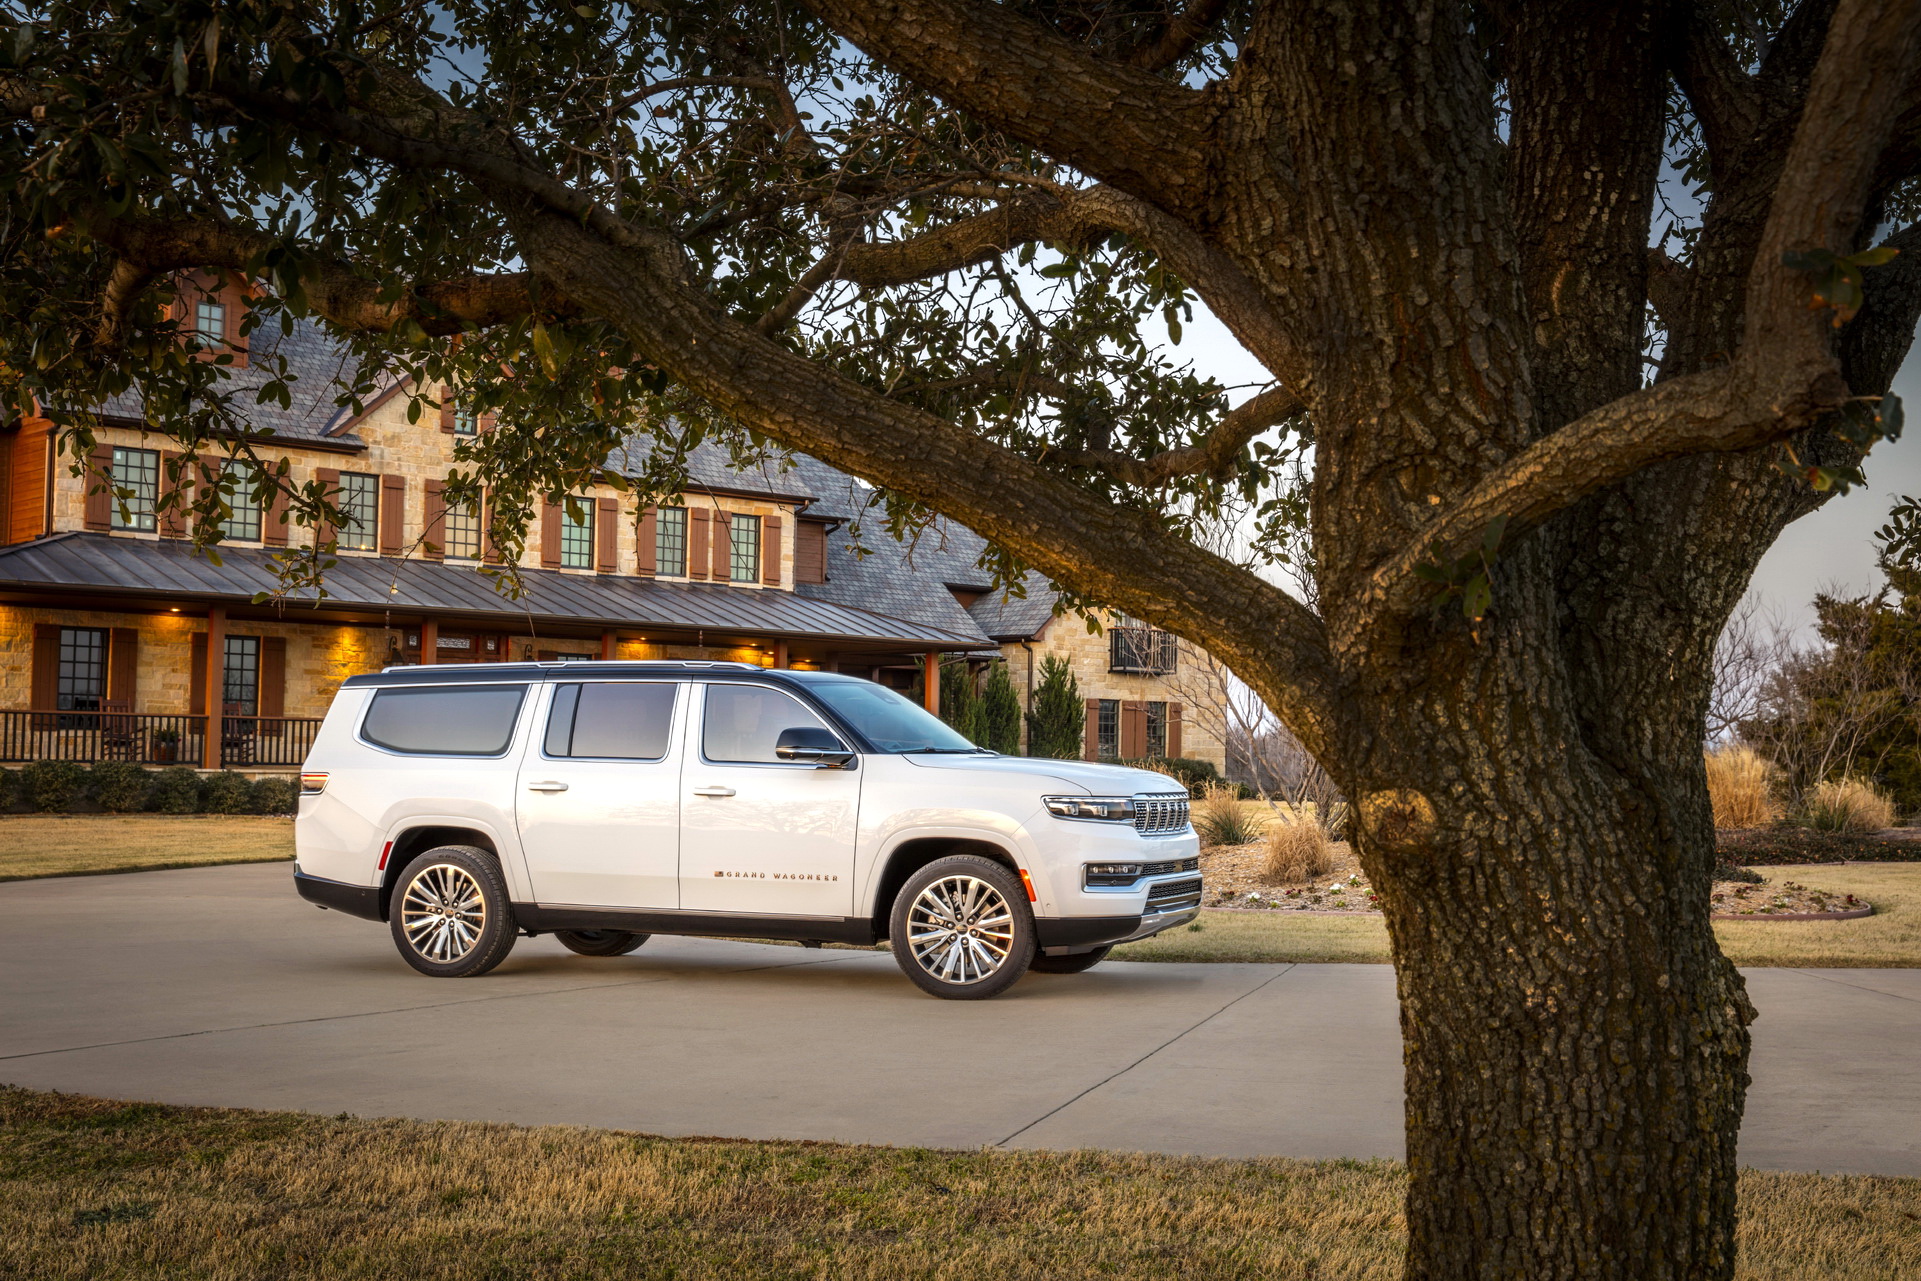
pixel 812 745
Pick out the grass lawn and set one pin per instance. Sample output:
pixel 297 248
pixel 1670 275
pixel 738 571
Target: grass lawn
pixel 1891 937
pixel 82 844
pixel 96 1189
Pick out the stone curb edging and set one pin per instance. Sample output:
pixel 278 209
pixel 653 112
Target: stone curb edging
pixel 1289 911
pixel 1853 914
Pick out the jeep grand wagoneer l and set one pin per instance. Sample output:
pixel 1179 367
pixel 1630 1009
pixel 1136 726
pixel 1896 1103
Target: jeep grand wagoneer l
pixel 604 802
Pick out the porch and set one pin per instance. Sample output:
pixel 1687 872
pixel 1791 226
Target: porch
pixel 239 742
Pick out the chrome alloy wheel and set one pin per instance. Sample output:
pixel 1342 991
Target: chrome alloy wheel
pixel 960 929
pixel 443 912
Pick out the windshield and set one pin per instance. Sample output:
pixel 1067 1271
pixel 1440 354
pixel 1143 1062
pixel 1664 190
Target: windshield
pixel 888 721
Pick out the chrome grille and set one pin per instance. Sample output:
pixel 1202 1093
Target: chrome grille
pixel 1161 814
pixel 1173 889
pixel 1172 865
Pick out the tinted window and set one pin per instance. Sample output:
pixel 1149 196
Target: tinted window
pixel 444 720
pixel 619 721
pixel 743 722
pixel 890 722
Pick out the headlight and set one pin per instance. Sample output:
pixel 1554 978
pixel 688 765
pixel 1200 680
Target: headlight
pixel 1109 875
pixel 1112 809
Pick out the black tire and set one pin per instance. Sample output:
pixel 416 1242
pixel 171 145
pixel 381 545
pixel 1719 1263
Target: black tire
pixel 1073 964
pixel 983 958
pixel 451 916
pixel 600 942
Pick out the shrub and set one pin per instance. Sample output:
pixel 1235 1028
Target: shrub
pixel 1735 872
pixel 176 791
pixel 9 789
pixel 1297 850
pixel 225 793
pixel 272 796
pixel 1196 774
pixel 1057 726
pixel 1741 789
pixel 999 715
pixel 1221 819
pixel 120 787
pixel 1847 805
pixel 53 786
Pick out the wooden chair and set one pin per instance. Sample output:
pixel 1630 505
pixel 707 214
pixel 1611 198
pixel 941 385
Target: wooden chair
pixel 237 730
pixel 119 731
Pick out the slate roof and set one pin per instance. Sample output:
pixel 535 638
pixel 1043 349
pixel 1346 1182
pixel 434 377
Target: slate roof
pixel 103 563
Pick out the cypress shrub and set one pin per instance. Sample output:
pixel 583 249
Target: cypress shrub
pixel 959 704
pixel 9 789
pixel 999 713
pixel 120 787
pixel 53 786
pixel 225 793
pixel 1058 723
pixel 176 791
pixel 272 796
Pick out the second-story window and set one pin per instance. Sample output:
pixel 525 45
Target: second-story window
pixel 577 534
pixel 136 488
pixel 670 542
pixel 210 323
pixel 462 532
pixel 744 565
pixel 243 511
pixel 466 421
pixel 359 503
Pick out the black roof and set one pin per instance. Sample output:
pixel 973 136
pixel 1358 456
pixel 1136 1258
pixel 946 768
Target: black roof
pixel 511 673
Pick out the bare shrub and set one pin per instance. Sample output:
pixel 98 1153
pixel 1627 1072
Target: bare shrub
pixel 1221 819
pixel 1298 850
pixel 1741 788
pixel 1847 805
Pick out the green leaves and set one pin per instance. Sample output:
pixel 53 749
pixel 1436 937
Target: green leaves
pixel 1861 423
pixel 1468 579
pixel 1837 280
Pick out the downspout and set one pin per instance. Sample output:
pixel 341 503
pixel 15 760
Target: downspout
pixel 1030 693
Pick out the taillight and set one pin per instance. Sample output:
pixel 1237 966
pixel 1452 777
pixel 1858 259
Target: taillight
pixel 312 784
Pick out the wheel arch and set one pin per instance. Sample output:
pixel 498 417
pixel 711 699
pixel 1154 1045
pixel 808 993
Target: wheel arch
pixel 412 841
pixel 917 852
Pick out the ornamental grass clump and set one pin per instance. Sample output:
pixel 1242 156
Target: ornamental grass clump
pixel 1741 789
pixel 1298 849
pixel 1221 819
pixel 1847 805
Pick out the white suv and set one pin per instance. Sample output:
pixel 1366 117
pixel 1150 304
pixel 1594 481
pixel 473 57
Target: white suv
pixel 604 802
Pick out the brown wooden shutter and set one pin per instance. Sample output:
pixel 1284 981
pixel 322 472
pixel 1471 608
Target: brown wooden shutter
pixel 770 550
pixel 273 521
pixel 448 409
pixel 197 676
pixel 1173 729
pixel 484 423
pixel 433 524
pixel 98 513
pixel 607 535
pixel 123 665
pixel 810 552
pixel 550 535
pixel 647 541
pixel 1091 740
pixel 723 547
pixel 175 479
pixel 393 515
pixel 46 666
pixel 1133 731
pixel 329 478
pixel 272 699
pixel 698 521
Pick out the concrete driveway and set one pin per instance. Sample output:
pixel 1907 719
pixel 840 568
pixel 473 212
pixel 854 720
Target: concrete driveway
pixel 219 986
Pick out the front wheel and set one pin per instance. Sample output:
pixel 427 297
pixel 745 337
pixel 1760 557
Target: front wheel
pixel 600 942
pixel 961 928
pixel 450 916
pixel 1073 964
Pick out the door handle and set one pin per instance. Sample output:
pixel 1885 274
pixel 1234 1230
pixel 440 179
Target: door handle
pixel 549 786
pixel 713 791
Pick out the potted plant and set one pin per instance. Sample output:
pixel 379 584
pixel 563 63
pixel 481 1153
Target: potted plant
pixel 166 744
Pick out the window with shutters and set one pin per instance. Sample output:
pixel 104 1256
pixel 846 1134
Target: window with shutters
pixel 136 488
pixel 466 421
pixel 461 532
pixel 82 678
pixel 359 503
pixel 210 323
pixel 670 542
pixel 1157 729
pixel 1108 729
pixel 240 686
pixel 243 511
pixel 743 566
pixel 577 534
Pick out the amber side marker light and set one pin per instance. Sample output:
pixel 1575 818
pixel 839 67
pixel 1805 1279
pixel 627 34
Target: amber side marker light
pixel 312 784
pixel 1028 881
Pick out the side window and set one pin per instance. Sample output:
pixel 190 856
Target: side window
pixel 611 721
pixel 742 722
pixel 444 720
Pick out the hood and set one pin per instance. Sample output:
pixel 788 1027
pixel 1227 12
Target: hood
pixel 1092 778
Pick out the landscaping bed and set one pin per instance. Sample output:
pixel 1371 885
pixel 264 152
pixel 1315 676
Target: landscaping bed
pixel 1784 900
pixel 1790 843
pixel 1235 877
pixel 91 1188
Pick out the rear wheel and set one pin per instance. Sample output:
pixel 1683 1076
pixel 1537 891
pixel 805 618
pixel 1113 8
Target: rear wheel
pixel 1073 964
pixel 450 915
pixel 600 942
pixel 961 928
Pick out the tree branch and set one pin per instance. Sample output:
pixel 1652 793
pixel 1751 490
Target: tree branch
pixel 1725 98
pixel 1180 37
pixel 1214 455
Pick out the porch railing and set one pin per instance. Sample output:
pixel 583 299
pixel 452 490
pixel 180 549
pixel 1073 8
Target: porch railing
pixel 246 742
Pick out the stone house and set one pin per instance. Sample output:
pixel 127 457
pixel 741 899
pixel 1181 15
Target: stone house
pixel 117 641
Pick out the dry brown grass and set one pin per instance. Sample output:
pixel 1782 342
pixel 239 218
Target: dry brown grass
pixel 82 844
pixel 1220 817
pixel 1741 789
pixel 1847 805
pixel 1298 849
pixel 96 1189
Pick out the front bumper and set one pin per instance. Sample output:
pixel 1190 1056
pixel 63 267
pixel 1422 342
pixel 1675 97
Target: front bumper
pixel 1065 935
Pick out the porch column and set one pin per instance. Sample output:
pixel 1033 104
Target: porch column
pixel 780 655
pixel 609 644
pixel 930 681
pixel 214 681
pixel 429 641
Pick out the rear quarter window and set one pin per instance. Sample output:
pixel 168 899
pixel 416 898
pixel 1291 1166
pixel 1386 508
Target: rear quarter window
pixel 444 720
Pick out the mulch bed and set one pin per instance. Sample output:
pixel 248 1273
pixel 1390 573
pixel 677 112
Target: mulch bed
pixel 1783 901
pixel 1785 843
